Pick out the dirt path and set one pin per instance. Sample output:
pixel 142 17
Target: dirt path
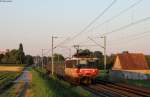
pixel 25 78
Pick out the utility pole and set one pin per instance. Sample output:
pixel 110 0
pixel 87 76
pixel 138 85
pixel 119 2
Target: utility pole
pixel 58 62
pixel 53 54
pixel 42 59
pixel 102 46
pixel 77 48
pixel 105 57
pixel 69 52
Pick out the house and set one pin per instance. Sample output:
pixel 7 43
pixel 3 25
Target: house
pixel 130 61
pixel 130 66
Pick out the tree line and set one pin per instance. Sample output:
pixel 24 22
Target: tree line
pixel 59 58
pixel 16 56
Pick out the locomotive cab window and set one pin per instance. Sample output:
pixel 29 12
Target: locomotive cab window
pixel 83 62
pixel 70 63
pixel 87 64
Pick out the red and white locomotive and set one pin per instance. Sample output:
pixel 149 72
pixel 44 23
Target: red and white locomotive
pixel 76 70
pixel 81 70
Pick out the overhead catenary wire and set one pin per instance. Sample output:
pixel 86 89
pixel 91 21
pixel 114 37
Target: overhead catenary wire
pixel 95 42
pixel 47 52
pixel 131 36
pixel 90 24
pixel 115 30
pixel 137 36
pixel 65 40
pixel 130 41
pixel 127 26
pixel 83 45
pixel 117 15
pixel 95 19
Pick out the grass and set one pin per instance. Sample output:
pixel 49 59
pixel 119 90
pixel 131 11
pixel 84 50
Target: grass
pixel 7 88
pixel 141 83
pixel 12 91
pixel 6 77
pixel 9 92
pixel 44 86
pixel 102 75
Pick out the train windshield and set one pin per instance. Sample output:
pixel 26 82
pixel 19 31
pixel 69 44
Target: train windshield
pixel 87 64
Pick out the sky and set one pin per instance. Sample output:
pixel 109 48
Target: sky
pixel 33 22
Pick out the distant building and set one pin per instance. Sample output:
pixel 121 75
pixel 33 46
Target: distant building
pixel 130 61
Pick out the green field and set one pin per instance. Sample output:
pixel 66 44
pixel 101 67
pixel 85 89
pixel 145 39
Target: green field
pixel 6 77
pixel 43 86
pixel 7 87
pixel 11 91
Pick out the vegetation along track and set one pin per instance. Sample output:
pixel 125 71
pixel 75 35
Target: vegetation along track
pixel 110 89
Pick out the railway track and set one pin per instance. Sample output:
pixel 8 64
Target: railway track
pixel 99 92
pixel 126 88
pixel 110 89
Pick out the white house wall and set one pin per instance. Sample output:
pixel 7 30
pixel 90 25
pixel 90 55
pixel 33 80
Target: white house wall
pixel 117 65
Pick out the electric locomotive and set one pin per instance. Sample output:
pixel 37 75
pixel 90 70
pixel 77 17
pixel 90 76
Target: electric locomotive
pixel 81 70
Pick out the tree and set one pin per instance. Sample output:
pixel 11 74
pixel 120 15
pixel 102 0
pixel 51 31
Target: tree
pixel 10 57
pixel 85 52
pixel 99 55
pixel 28 60
pixel 58 58
pixel 110 61
pixel 13 54
pixel 148 59
pixel 21 55
pixel 1 56
pixel 45 60
pixel 5 58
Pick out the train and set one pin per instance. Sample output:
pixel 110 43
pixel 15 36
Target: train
pixel 77 70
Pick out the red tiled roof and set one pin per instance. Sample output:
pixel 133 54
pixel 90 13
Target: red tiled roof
pixel 133 61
